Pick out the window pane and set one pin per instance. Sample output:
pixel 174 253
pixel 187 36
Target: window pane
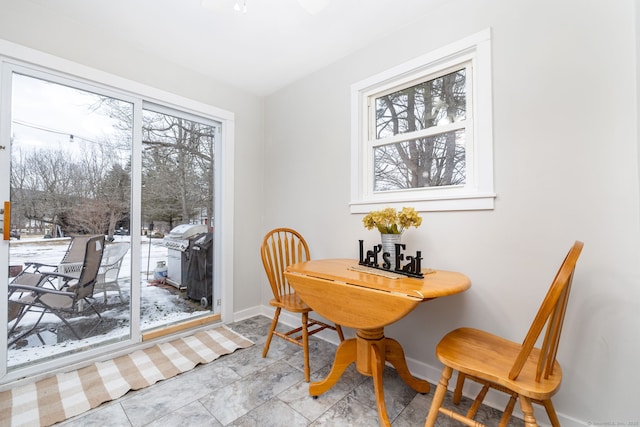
pixel 70 177
pixel 177 161
pixel 435 161
pixel 177 181
pixel 435 102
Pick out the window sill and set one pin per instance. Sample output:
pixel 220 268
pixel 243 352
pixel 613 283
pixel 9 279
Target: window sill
pixel 445 203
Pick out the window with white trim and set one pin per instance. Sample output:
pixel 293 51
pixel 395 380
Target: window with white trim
pixel 421 132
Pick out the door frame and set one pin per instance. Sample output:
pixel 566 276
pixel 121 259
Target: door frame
pixel 15 55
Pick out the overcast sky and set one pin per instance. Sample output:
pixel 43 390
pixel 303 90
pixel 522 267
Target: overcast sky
pixel 46 114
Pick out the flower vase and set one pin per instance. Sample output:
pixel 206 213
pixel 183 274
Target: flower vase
pixel 389 245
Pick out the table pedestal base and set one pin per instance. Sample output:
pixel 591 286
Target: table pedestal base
pixel 370 350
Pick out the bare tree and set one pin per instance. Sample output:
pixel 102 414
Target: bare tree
pixel 177 168
pixel 177 175
pixel 115 190
pixel 436 160
pixel 54 186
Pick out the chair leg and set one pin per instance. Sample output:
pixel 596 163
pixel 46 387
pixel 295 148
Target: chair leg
pixel 551 412
pixel 111 286
pixel 508 410
pixel 21 311
pixel 339 331
pixel 305 346
pixel 457 393
pixel 95 310
pixel 527 411
pixel 119 292
pixel 25 310
pixel 438 396
pixel 477 402
pixel 274 323
pixel 73 331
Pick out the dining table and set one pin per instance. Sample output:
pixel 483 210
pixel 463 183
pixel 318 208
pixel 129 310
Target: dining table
pixel 368 299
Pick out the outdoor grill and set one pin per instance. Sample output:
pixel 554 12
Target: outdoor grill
pixel 200 274
pixel 178 243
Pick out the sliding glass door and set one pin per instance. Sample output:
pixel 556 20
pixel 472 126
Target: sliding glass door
pixel 83 161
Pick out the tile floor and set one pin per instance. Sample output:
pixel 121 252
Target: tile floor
pixel 243 389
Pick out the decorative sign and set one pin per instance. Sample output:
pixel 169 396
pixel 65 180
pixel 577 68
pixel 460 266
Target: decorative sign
pixel 412 268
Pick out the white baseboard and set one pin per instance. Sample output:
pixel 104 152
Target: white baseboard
pixel 248 313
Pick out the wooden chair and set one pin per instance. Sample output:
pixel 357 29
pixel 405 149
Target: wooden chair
pixel 523 371
pixel 282 247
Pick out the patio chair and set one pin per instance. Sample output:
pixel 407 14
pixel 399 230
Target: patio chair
pixel 70 264
pixel 35 298
pixel 107 279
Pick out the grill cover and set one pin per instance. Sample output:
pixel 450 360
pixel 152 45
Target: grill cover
pixel 200 272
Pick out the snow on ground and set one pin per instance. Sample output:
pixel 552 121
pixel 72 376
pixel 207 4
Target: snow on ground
pixel 160 305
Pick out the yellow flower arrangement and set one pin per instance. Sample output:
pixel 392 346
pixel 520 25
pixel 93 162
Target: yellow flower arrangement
pixel 390 221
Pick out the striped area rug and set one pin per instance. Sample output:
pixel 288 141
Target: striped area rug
pixel 65 395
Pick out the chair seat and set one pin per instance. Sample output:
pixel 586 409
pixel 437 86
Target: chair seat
pixel 291 302
pixel 489 357
pixel 62 300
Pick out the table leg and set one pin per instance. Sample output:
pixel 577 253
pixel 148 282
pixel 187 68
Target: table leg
pixel 370 361
pixel 377 368
pixel 370 350
pixel 345 356
pixel 395 356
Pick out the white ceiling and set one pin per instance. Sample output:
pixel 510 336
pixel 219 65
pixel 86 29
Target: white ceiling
pixel 274 43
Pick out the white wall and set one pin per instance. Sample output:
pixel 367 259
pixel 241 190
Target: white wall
pixel 31 26
pixel 566 168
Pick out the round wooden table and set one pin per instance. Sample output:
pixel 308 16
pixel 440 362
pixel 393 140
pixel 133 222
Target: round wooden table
pixel 367 302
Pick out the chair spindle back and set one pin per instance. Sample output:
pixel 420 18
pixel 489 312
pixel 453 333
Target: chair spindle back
pixel 550 313
pixel 280 248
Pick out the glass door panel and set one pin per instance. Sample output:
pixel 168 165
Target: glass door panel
pixel 177 217
pixel 70 178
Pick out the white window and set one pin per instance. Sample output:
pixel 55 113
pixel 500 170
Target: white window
pixel 421 132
